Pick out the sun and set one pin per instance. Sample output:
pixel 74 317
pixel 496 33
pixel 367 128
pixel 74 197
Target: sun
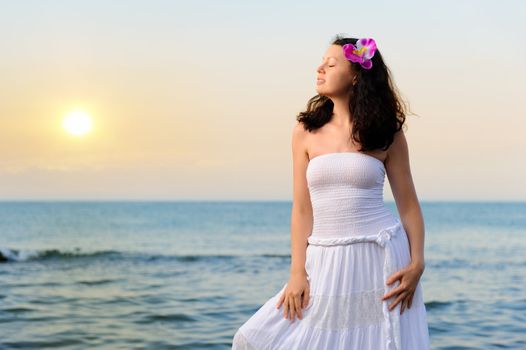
pixel 77 123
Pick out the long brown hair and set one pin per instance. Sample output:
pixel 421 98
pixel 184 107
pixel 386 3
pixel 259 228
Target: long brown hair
pixel 377 110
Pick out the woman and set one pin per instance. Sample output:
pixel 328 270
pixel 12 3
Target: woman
pixel 355 268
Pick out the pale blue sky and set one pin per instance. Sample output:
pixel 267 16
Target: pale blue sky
pixel 196 99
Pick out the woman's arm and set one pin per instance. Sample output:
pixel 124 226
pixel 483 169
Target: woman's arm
pixel 399 174
pixel 297 293
pixel 301 215
pixel 401 181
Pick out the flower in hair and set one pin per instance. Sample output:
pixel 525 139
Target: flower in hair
pixel 362 53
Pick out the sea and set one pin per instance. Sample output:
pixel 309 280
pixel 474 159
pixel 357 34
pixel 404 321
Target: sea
pixel 187 274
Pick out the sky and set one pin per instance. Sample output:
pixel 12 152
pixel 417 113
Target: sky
pixel 196 100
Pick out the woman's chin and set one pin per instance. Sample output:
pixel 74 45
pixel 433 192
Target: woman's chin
pixel 321 91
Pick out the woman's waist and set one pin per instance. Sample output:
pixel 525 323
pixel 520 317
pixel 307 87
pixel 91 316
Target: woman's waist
pixel 349 224
pixel 380 235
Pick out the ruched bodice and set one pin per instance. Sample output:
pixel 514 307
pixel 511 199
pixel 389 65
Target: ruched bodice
pixel 346 192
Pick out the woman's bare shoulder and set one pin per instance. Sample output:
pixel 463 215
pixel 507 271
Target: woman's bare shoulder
pixel 398 145
pixel 299 134
pixel 299 140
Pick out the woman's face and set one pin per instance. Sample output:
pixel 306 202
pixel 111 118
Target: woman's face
pixel 334 76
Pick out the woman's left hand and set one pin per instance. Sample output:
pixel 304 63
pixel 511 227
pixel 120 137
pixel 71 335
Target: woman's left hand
pixel 409 277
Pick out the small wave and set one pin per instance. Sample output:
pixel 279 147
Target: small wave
pixel 285 256
pixel 166 318
pixel 436 304
pixel 96 282
pixel 18 255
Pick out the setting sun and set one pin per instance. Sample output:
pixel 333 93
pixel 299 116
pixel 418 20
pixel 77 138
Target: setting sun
pixel 77 123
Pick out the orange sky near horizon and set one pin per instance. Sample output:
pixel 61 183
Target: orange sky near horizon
pixel 194 105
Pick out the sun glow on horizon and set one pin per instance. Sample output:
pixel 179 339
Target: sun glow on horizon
pixel 77 123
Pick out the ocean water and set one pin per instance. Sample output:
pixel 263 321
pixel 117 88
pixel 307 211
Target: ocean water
pixel 186 275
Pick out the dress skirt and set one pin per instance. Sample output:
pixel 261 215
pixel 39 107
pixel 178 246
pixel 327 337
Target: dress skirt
pixel 347 281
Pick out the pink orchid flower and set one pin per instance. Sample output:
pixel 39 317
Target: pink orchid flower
pixel 362 53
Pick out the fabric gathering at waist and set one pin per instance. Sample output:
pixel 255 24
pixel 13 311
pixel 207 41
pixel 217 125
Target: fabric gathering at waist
pixel 380 237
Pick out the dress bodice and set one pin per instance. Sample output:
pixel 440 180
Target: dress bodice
pixel 346 192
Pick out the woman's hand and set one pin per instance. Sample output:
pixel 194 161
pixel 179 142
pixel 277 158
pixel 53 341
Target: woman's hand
pixel 296 295
pixel 409 277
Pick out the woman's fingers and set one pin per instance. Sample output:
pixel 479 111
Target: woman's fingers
pixel 395 276
pixel 406 302
pixel 410 300
pixel 292 308
pixel 397 300
pixel 292 305
pixel 394 291
pixel 297 302
pixel 403 305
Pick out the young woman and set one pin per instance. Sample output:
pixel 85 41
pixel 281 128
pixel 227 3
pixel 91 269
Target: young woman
pixel 355 268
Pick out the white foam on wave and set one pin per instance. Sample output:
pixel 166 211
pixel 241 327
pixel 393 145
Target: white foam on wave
pixel 17 255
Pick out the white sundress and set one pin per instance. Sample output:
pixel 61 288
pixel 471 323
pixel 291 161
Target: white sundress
pixel 355 245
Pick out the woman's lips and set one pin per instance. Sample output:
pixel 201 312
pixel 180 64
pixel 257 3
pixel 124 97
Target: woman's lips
pixel 320 81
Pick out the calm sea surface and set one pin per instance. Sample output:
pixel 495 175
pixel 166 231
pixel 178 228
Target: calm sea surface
pixel 186 275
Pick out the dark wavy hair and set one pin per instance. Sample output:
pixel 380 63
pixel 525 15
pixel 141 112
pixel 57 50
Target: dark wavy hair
pixel 376 108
